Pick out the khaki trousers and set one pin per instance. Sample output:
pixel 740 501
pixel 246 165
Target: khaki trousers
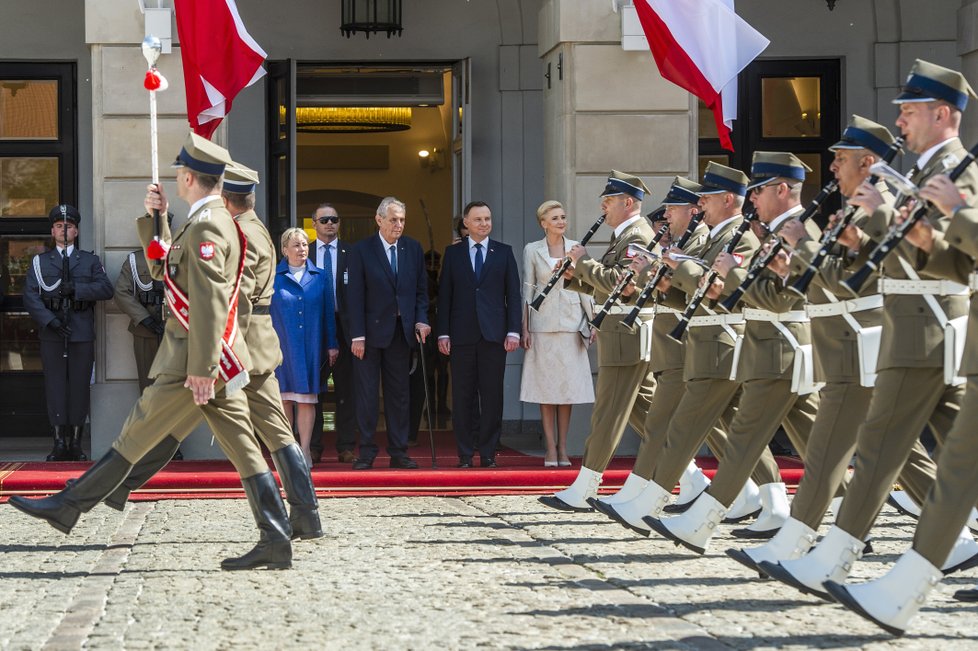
pixel 622 396
pixel 842 406
pixel 955 489
pixel 764 405
pixel 669 391
pixel 904 400
pixel 167 406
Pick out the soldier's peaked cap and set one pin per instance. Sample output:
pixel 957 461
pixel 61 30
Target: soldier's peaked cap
pixel 719 179
pixel 623 183
pixel 865 134
pixel 240 179
pixel 767 166
pixel 682 192
pixel 203 156
pixel 64 213
pixel 928 82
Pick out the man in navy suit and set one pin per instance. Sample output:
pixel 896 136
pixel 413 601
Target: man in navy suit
pixel 390 270
pixel 479 321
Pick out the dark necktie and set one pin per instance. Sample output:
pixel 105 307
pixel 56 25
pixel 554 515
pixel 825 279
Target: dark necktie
pixel 393 250
pixel 478 260
pixel 328 270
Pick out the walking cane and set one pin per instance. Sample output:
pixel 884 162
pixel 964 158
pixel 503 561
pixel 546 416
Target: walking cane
pixel 427 398
pixel 153 82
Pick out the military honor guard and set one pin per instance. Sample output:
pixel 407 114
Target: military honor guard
pixel 201 366
pixel 60 292
pixel 625 385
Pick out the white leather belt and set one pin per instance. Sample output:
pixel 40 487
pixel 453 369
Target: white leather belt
pixel 845 307
pixel 794 316
pixel 716 320
pixel 921 287
pixel 663 309
pixel 621 310
pixel 973 280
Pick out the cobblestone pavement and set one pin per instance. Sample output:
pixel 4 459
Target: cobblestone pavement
pixel 419 573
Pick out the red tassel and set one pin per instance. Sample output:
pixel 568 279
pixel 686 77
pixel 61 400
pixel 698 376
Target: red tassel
pixel 152 80
pixel 156 250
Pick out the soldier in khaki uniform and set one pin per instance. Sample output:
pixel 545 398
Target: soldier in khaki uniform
pixel 262 391
pixel 712 346
pixel 625 385
pixel 843 332
pixel 912 384
pixel 668 358
pixel 775 366
pixel 200 367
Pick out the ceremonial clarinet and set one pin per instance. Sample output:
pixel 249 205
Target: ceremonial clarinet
pixel 623 283
pixel 700 294
pixel 832 235
pixel 892 240
pixel 763 260
pixel 564 266
pixel 649 288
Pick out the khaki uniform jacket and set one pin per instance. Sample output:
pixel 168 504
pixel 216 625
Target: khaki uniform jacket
pixel 709 349
pixel 617 345
pixel 563 311
pixel 836 350
pixel 203 261
pixel 127 296
pixel 912 336
pixel 667 353
pixel 256 291
pixel 767 355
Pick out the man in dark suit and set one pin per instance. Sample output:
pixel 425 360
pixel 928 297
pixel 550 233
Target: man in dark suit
pixel 329 248
pixel 391 270
pixel 479 321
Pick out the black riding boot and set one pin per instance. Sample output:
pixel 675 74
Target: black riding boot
pixel 60 450
pixel 62 509
pixel 274 548
pixel 75 452
pixel 299 491
pixel 143 471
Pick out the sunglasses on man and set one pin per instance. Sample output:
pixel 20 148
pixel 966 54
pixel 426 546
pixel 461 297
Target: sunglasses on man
pixel 328 220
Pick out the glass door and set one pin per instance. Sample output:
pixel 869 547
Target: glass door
pixel 280 132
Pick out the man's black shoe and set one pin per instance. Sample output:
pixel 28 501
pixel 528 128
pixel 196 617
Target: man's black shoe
pixel 488 462
pixel 464 462
pixel 363 464
pixel 406 463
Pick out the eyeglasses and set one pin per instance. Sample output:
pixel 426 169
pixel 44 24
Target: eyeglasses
pixel 328 219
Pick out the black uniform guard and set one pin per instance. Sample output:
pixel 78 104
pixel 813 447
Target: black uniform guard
pixel 60 293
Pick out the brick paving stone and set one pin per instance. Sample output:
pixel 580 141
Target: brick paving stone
pixel 419 573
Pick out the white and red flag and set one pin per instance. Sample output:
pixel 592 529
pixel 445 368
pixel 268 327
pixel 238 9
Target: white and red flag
pixel 220 58
pixel 702 45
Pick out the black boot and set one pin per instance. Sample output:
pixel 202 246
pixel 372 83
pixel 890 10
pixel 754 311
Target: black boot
pixel 143 471
pixel 62 509
pixel 299 491
pixel 60 450
pixel 274 548
pixel 75 452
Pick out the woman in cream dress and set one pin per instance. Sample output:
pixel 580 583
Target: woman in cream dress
pixel 556 369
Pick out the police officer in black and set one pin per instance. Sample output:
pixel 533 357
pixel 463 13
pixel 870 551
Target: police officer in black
pixel 60 293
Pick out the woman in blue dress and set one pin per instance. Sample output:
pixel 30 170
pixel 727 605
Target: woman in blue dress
pixel 304 318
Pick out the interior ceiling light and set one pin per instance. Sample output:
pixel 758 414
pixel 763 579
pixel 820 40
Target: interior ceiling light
pixel 352 119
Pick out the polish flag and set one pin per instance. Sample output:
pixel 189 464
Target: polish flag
pixel 702 45
pixel 220 58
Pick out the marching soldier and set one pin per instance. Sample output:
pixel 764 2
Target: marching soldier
pixel 845 336
pixel 916 383
pixel 202 273
pixel 712 346
pixel 60 293
pixel 625 385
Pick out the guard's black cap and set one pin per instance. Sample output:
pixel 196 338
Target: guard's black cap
pixel 64 213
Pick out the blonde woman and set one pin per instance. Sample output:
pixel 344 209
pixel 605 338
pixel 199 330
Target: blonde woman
pixel 556 369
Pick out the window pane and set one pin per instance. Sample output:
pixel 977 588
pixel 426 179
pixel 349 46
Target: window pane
pixel 707 124
pixel 28 109
pixel 790 107
pixel 20 349
pixel 28 186
pixel 16 253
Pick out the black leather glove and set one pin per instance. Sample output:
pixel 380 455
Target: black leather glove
pixel 66 289
pixel 153 325
pixel 62 329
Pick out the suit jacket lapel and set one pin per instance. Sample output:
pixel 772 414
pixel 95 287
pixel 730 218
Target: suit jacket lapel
pixel 383 257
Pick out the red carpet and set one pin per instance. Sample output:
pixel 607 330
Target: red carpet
pixel 517 473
